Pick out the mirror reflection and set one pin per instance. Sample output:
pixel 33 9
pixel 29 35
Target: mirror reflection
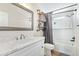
pixel 15 16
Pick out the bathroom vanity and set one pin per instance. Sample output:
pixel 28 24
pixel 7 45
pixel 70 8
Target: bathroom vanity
pixel 26 47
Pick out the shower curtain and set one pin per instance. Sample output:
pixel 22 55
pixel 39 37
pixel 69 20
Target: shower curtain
pixel 48 29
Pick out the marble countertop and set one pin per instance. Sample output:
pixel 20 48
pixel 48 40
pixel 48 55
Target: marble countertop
pixel 8 45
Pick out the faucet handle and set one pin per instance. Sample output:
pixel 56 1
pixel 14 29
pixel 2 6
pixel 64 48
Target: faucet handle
pixel 22 36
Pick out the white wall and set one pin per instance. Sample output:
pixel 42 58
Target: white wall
pixel 77 30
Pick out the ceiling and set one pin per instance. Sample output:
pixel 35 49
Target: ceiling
pixel 47 7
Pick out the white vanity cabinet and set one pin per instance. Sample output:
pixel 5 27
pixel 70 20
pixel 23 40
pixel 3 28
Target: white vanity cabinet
pixel 34 49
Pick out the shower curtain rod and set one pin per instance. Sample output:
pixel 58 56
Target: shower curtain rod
pixel 62 8
pixel 65 11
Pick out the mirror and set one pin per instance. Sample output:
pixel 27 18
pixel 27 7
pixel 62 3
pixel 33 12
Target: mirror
pixel 14 16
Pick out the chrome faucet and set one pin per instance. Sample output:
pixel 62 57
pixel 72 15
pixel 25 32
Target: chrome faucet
pixel 22 36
